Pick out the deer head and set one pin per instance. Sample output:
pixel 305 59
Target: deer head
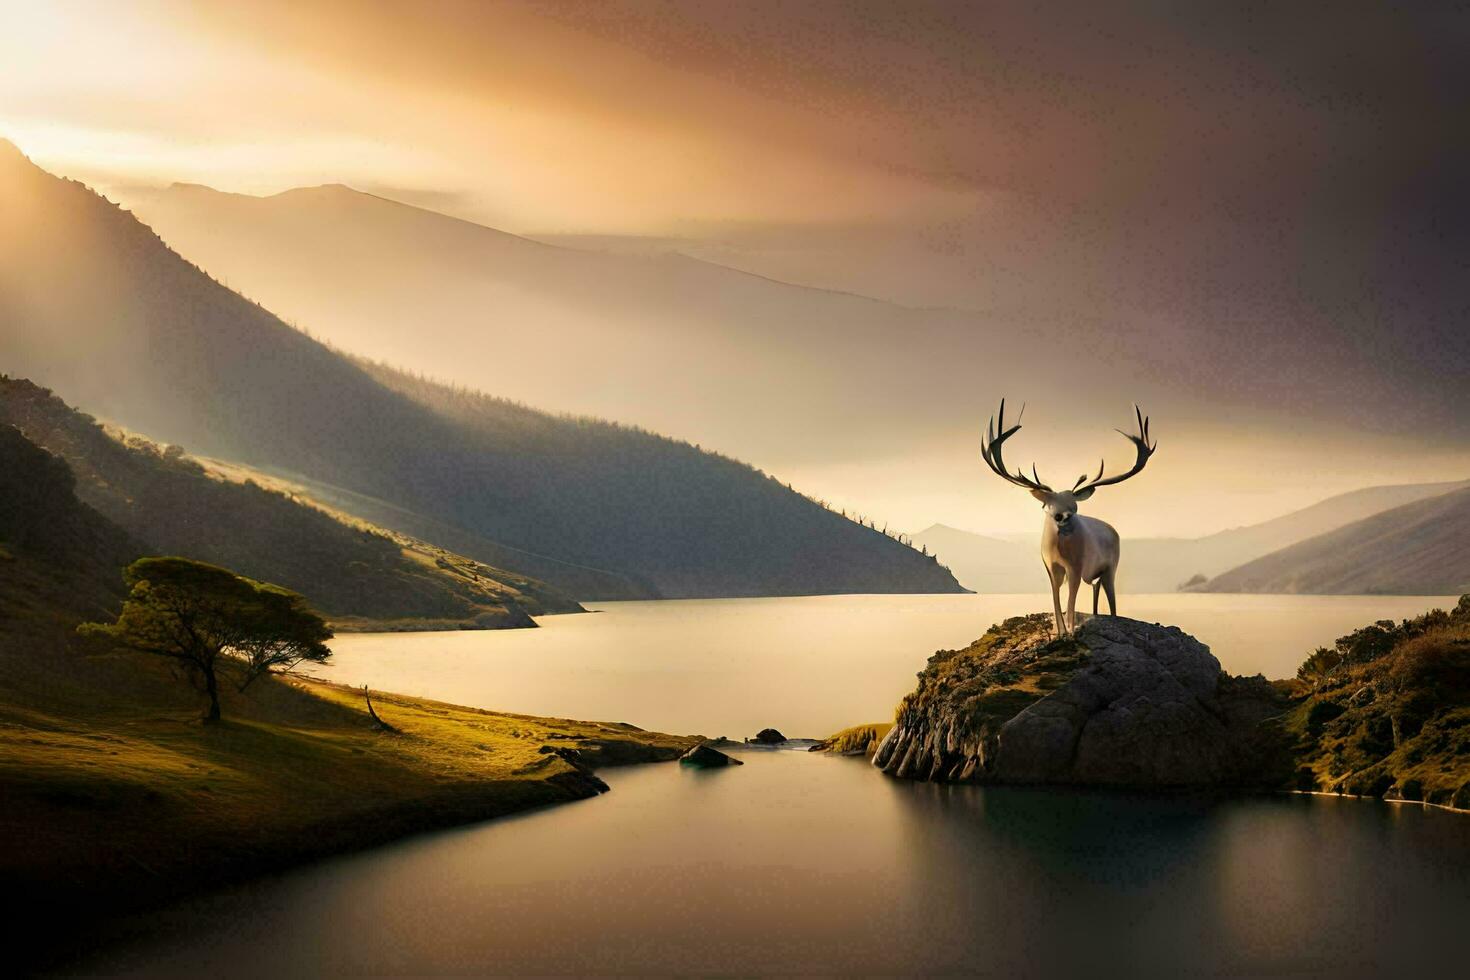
pixel 1060 505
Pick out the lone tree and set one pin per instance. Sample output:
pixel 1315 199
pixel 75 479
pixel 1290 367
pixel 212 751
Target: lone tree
pixel 208 618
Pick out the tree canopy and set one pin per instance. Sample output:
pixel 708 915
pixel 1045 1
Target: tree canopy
pixel 211 620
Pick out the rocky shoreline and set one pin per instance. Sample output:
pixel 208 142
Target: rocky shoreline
pixel 1382 714
pixel 1123 704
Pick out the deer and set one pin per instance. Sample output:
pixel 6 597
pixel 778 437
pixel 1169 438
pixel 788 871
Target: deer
pixel 1074 548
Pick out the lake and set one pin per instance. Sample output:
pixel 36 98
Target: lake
pixel 799 863
pixel 808 666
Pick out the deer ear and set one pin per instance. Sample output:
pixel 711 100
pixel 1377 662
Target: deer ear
pixel 1084 494
pixel 1041 495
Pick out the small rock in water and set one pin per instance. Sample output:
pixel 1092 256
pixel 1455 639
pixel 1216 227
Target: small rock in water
pixel 769 736
pixel 704 757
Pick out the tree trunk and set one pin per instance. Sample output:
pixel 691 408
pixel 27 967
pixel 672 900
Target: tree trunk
pixel 212 689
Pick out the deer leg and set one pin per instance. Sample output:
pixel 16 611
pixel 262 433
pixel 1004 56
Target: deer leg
pixel 1096 586
pixel 1107 584
pixel 1074 582
pixel 1056 594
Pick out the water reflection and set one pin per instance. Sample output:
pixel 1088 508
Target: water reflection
pixel 799 864
pixel 807 864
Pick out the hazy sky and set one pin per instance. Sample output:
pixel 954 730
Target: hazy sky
pixel 659 116
pixel 1277 186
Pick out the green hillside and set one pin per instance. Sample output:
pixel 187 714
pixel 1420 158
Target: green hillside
pixel 351 572
pixel 115 796
pixel 93 304
pixel 1386 711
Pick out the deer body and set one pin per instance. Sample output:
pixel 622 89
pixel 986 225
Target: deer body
pixel 1074 549
pixel 1080 549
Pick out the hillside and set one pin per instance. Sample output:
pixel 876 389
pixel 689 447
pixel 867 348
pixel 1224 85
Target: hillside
pixel 351 572
pixel 1162 564
pixel 1386 711
pixel 666 341
pixel 60 561
pixel 93 304
pixel 1417 549
pixel 116 797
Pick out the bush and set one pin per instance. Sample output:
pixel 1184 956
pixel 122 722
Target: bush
pixel 1318 666
pixel 1437 662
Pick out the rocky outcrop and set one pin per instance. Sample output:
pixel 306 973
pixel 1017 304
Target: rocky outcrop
pixel 769 736
pixel 704 757
pixel 1123 703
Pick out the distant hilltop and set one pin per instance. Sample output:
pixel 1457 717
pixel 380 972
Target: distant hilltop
pixel 1418 548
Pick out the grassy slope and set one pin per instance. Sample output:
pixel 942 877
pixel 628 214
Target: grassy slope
pixel 1416 549
pixel 112 786
pixel 357 574
pixel 114 794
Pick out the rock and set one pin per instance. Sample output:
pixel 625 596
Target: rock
pixel 1123 703
pixel 769 736
pixel 704 757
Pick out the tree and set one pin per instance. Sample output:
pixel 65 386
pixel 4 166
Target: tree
pixel 209 619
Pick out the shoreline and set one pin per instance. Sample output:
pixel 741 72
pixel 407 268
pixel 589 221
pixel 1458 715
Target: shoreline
pixel 294 775
pixel 1395 801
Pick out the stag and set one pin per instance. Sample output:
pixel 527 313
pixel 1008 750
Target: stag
pixel 1074 548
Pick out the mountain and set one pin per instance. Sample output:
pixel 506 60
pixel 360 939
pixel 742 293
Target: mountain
pixel 831 387
pixel 663 340
pixel 354 573
pixel 94 305
pixel 1422 548
pixel 986 564
pixel 1164 564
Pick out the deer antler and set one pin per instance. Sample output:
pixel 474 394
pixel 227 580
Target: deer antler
pixel 990 448
pixel 1140 442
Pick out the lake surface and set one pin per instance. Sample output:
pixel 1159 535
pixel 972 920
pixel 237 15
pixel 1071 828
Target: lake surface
pixel 799 863
pixel 807 666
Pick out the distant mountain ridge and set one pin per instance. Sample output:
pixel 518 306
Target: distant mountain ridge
pixel 1164 564
pixel 93 304
pixel 1419 548
pixel 665 340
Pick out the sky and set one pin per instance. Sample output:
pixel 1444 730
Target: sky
pixel 1265 202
